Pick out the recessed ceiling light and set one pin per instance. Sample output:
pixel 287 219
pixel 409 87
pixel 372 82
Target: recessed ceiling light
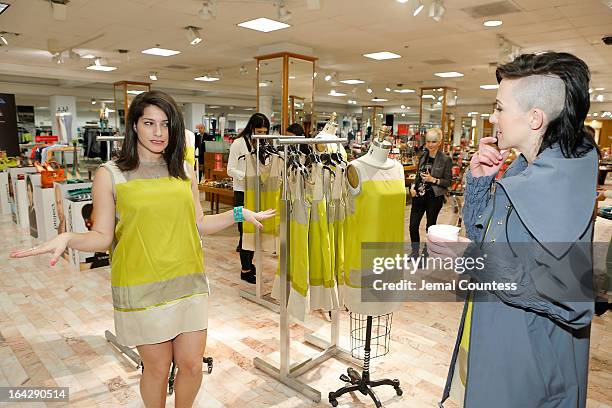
pixel 162 52
pixel 493 86
pixel 369 90
pixel 263 84
pixel 428 97
pixel 599 89
pixel 88 56
pixel 492 23
pixel 264 25
pixel 383 55
pixel 334 93
pixel 3 7
pixel 379 100
pixel 388 89
pixel 291 77
pixel 451 74
pixel 404 90
pixel 352 81
pixel 402 1
pixel 206 78
pixel 403 106
pixel 101 68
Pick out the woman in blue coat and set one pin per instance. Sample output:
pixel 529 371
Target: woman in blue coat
pixel 525 343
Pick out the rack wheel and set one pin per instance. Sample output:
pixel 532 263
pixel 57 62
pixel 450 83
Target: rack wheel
pixel 399 391
pixel 345 378
pixel 209 363
pixel 209 368
pixel 333 402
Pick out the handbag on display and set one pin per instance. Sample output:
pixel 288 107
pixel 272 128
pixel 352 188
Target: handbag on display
pixel 49 173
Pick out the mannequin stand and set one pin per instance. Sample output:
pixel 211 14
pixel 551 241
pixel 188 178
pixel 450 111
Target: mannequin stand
pixel 363 383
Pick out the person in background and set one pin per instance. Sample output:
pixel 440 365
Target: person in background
pixel 295 129
pixel 258 124
pixel 433 179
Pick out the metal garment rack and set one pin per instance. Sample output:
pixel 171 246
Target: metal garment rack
pixel 287 373
pixel 259 297
pixel 109 140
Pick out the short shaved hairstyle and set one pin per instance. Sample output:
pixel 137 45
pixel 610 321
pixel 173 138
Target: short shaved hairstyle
pixel 558 84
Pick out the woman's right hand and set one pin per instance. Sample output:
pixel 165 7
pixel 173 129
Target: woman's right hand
pixel 487 160
pixel 55 247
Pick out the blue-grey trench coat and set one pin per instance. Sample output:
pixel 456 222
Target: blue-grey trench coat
pixel 529 348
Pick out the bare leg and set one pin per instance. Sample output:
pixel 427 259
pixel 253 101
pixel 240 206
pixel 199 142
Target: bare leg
pixel 154 380
pixel 188 350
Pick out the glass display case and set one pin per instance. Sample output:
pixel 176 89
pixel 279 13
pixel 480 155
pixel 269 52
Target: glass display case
pixel 125 92
pixel 285 90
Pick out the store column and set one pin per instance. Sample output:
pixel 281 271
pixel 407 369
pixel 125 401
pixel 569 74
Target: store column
pixel 194 115
pixel 63 114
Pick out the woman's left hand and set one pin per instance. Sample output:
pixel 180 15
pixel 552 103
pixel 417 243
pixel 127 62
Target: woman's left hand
pixel 438 247
pixel 427 178
pixel 255 217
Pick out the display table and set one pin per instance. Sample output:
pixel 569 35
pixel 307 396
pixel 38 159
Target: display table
pixel 215 193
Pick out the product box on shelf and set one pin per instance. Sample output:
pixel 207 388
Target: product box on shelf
pixel 18 197
pixel 5 206
pixel 42 212
pixel 79 219
pixel 61 190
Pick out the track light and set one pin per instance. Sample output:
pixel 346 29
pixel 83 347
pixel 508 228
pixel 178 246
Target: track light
pixel 57 58
pixel 93 101
pixel 193 35
pixel 153 76
pixel 437 10
pixel 416 6
pixel 328 77
pixel 3 41
pixel 283 13
pixel 208 10
pixel 369 90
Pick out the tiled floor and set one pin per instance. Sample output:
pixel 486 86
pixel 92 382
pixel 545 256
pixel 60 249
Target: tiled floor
pixel 52 323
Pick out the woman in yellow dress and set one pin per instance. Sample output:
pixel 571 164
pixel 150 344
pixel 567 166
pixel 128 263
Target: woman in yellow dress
pixel 147 210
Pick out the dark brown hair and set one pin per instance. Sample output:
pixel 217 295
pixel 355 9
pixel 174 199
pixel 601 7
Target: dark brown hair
pixel 567 130
pixel 174 154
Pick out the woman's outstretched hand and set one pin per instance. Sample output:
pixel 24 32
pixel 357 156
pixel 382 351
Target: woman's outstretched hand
pixel 487 160
pixel 55 247
pixel 255 217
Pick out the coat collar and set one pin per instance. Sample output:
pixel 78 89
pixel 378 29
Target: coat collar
pixel 554 196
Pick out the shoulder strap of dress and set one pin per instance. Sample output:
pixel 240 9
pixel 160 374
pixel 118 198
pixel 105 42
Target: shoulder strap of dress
pixel 116 174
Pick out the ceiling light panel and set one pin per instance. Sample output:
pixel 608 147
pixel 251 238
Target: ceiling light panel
pixel 451 74
pixel 404 90
pixel 492 23
pixel 103 68
pixel 382 55
pixel 206 78
pixel 161 52
pixel 492 86
pixel 265 25
pixel 352 81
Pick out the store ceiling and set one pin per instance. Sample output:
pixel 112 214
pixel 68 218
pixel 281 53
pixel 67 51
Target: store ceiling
pixel 338 33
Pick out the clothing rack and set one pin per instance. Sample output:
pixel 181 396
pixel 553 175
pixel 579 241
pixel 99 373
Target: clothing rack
pixel 259 297
pixel 287 373
pixel 110 140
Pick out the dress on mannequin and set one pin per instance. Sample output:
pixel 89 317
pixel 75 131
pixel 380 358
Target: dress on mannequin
pixel 375 214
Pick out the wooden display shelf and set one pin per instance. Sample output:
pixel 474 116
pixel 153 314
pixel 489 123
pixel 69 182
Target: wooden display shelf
pixel 215 194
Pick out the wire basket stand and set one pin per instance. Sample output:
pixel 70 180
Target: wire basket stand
pixel 370 338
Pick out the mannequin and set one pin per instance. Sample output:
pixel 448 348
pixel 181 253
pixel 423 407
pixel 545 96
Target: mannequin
pixel 329 133
pixel 377 156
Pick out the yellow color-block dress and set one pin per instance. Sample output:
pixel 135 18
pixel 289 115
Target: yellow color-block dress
pixel 375 214
pixel 158 282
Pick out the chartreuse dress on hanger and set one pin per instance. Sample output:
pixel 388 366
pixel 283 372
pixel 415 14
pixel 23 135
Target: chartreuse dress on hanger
pixel 158 282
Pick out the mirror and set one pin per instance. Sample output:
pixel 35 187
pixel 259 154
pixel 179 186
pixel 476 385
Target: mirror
pixel 371 120
pixel 437 109
pixel 125 92
pixel 301 93
pixel 270 91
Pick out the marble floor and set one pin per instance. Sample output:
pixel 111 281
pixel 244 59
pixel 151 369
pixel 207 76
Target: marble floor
pixel 52 323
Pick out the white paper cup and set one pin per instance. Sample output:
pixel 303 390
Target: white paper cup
pixel 445 231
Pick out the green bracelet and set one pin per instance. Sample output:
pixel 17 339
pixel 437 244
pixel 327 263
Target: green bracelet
pixel 238 216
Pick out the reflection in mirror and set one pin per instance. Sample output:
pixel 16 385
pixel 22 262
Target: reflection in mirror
pixel 301 93
pixel 270 91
